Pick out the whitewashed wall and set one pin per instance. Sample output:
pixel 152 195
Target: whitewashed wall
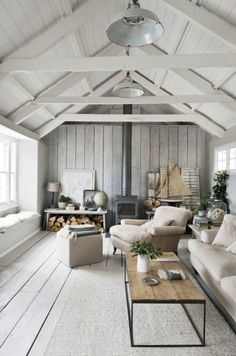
pixel 99 147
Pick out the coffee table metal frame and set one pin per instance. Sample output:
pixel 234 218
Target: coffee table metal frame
pixel 130 309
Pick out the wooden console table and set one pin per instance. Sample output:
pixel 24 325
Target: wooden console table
pixel 61 212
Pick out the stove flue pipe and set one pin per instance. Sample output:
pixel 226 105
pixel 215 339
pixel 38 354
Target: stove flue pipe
pixel 126 153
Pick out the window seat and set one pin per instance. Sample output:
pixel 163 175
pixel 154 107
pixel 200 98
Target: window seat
pixel 17 228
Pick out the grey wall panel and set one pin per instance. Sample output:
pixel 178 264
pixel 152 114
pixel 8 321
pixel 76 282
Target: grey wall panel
pixel 99 147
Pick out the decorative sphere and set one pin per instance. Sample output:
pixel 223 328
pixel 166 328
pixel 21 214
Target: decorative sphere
pixel 100 199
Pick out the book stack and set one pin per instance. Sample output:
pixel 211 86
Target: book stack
pixel 171 274
pixel 84 230
pixel 200 221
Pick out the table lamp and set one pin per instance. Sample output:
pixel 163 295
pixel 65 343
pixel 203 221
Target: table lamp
pixel 53 187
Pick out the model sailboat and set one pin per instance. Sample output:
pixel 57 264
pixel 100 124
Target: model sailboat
pixel 172 187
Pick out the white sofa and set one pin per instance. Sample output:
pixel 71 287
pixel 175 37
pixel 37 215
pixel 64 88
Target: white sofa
pixel 17 228
pixel 214 258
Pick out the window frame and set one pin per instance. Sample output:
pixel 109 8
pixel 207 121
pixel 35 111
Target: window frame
pixel 10 203
pixel 227 148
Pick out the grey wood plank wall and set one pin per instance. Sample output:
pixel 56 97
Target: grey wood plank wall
pixel 96 146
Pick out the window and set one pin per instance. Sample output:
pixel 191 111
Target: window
pixel 8 171
pixel 221 160
pixel 232 158
pixel 225 158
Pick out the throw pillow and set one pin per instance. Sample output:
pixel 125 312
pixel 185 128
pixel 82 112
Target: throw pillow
pixel 147 225
pixel 227 232
pixel 156 222
pixel 231 248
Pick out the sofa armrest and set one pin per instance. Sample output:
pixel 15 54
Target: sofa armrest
pixel 208 236
pixel 137 222
pixel 166 230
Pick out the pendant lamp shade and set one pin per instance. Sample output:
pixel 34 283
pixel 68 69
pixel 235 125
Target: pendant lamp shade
pixel 134 27
pixel 127 89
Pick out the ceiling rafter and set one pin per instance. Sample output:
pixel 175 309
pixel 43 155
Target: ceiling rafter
pixel 59 30
pixel 209 22
pixel 60 86
pixel 100 90
pixel 206 123
pixel 20 129
pixel 193 78
pixel 205 19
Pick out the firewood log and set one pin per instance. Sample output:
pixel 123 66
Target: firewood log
pixel 52 218
pixel 73 218
pixel 60 219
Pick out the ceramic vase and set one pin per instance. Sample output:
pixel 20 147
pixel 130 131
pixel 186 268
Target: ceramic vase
pixel 143 263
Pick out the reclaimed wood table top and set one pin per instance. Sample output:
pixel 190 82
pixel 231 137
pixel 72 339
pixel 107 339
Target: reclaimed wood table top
pixel 168 290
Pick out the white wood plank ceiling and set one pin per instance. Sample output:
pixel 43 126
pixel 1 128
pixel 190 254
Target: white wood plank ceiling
pixel 37 36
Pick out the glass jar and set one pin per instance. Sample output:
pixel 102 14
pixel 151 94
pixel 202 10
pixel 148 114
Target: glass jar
pixel 216 211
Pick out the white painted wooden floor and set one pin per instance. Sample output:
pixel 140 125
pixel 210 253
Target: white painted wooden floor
pixel 34 287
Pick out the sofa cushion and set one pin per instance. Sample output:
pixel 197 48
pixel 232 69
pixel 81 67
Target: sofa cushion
pixel 228 284
pixel 217 262
pixel 208 236
pixel 227 232
pixel 231 248
pixel 130 233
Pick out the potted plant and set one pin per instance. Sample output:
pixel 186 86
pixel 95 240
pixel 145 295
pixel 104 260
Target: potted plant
pixel 145 251
pixel 63 201
pixel 202 209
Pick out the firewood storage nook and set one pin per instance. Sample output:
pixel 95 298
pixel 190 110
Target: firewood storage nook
pixel 56 219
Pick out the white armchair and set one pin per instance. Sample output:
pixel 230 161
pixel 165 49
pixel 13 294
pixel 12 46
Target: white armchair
pixel 164 231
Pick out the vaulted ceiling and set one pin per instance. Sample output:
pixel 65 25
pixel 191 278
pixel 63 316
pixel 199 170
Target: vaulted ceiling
pixel 57 65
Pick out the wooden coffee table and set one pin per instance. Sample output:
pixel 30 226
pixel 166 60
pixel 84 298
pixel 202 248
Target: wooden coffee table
pixel 167 292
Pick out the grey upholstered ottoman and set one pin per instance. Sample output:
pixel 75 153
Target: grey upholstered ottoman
pixel 75 249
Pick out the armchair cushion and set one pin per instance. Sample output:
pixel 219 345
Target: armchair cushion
pixel 166 230
pixel 137 222
pixel 130 233
pixel 226 235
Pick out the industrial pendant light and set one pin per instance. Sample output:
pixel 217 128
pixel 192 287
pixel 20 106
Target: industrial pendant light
pixel 134 27
pixel 127 88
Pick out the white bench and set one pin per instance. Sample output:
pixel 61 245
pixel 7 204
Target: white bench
pixel 17 228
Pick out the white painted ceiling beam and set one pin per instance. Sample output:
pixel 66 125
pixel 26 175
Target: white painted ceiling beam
pixel 115 63
pixel 205 19
pixel 166 118
pixel 130 118
pixel 21 130
pixel 205 123
pixel 143 100
pixel 100 90
pixel 59 87
pixel 193 78
pixel 59 30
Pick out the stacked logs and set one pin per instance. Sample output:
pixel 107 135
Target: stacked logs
pixel 55 223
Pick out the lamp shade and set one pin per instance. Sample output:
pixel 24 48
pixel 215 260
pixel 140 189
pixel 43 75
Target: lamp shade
pixel 128 89
pixel 53 187
pixel 134 27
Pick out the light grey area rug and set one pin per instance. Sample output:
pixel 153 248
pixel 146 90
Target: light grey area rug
pixel 95 323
